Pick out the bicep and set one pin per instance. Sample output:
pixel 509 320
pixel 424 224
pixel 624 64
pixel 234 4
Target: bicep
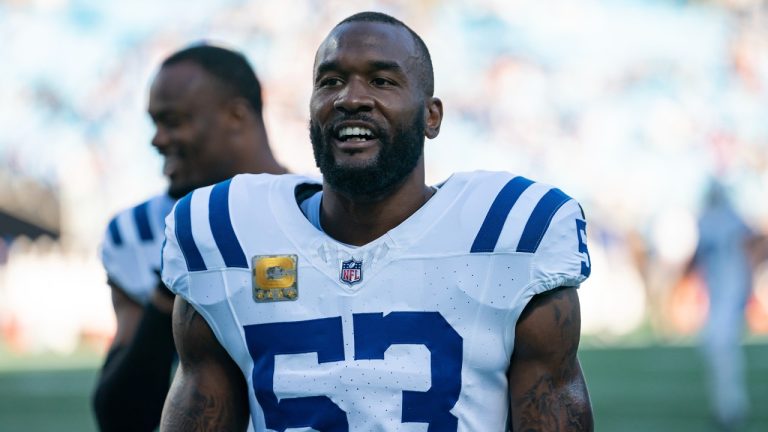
pixel 209 391
pixel 547 388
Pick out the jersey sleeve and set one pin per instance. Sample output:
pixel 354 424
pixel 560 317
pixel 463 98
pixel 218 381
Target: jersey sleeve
pixel 125 262
pixel 562 258
pixel 174 271
pixel 201 244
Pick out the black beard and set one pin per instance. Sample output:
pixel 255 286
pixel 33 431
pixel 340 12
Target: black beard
pixel 398 155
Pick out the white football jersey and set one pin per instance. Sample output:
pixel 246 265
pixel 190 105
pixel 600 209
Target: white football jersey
pixel 411 332
pixel 132 246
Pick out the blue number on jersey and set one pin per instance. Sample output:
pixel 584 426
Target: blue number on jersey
pixel 265 341
pixel 586 266
pixel 374 334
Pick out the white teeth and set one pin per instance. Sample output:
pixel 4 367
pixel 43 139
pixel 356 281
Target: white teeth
pixel 354 131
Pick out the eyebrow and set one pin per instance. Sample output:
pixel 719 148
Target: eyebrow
pixel 385 65
pixel 377 65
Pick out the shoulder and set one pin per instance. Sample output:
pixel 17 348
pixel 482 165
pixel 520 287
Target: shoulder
pixel 523 216
pixel 138 224
pixel 130 250
pixel 203 232
pixel 269 180
pixel 243 193
pixel 478 179
pixel 523 208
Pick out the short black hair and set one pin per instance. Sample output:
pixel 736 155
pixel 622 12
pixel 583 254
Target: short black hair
pixel 229 67
pixel 426 73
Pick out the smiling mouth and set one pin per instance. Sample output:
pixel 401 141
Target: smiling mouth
pixel 352 140
pixel 350 134
pixel 171 165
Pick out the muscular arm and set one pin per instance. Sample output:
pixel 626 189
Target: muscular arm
pixel 136 374
pixel 547 387
pixel 209 392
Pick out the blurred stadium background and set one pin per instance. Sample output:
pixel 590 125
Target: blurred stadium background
pixel 632 106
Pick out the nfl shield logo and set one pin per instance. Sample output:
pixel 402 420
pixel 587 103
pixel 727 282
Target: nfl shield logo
pixel 351 271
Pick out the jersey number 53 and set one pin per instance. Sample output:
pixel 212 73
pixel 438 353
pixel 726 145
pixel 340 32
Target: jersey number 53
pixel 374 334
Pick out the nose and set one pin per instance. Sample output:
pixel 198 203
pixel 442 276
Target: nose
pixel 354 97
pixel 160 140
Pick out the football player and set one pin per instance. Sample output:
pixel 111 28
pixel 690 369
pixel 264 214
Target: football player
pixel 206 106
pixel 373 301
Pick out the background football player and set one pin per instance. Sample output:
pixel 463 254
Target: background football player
pixel 205 103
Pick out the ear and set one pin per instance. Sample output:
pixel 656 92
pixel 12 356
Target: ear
pixel 238 112
pixel 434 114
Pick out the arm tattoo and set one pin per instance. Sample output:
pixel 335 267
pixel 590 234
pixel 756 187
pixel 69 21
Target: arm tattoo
pixel 200 413
pixel 196 403
pixel 544 409
pixel 565 322
pixel 557 400
pixel 564 319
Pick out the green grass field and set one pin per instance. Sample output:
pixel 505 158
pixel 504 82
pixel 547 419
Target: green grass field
pixel 650 389
pixel 660 389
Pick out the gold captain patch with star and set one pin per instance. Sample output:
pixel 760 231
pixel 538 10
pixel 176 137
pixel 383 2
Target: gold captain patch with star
pixel 275 278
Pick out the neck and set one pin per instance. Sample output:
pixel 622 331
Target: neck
pixel 259 157
pixel 360 221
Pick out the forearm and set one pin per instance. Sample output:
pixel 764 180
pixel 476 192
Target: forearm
pixel 135 378
pixel 549 405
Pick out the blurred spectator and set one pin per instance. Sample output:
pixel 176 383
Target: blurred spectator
pixel 722 258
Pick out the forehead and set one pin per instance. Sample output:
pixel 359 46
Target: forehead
pixel 181 82
pixel 368 41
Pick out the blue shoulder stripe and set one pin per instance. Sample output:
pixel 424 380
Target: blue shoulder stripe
pixel 221 227
pixel 114 232
pixel 490 230
pixel 183 219
pixel 141 217
pixel 540 218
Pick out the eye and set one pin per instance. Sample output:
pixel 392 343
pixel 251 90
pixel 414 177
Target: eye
pixel 173 121
pixel 169 120
pixel 382 82
pixel 329 82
